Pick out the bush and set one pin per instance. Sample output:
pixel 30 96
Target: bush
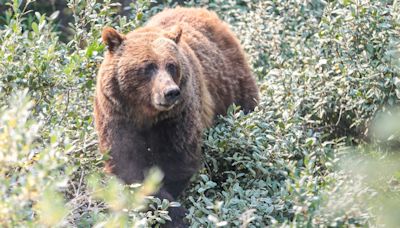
pixel 341 57
pixel 27 169
pixel 326 70
pixel 307 156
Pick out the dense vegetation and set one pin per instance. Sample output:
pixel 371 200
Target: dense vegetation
pixel 321 149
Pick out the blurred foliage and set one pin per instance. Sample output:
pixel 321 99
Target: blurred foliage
pixel 321 149
pixel 30 172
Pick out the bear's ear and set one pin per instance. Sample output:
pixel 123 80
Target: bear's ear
pixel 174 33
pixel 112 38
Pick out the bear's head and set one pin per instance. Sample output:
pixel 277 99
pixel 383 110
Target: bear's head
pixel 143 73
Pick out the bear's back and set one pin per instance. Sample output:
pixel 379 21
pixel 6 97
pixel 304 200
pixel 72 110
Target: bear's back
pixel 194 20
pixel 200 19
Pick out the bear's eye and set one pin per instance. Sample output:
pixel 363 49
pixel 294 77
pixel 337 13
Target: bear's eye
pixel 172 69
pixel 150 69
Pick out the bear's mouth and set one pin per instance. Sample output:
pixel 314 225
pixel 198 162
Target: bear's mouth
pixel 161 104
pixel 165 106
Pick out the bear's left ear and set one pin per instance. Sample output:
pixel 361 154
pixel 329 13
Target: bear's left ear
pixel 112 38
pixel 174 33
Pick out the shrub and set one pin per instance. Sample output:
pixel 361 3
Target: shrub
pixel 29 172
pixel 326 70
pixel 341 56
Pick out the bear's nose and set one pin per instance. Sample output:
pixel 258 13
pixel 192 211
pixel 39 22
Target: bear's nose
pixel 172 94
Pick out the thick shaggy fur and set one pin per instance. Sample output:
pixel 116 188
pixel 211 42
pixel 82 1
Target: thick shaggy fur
pixel 184 47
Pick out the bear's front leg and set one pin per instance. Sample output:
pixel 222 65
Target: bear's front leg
pixel 126 150
pixel 129 162
pixel 177 214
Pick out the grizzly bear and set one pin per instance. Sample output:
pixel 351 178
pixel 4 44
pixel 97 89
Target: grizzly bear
pixel 159 87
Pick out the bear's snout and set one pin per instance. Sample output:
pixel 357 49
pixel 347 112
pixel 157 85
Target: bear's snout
pixel 172 94
pixel 165 92
pixel 167 98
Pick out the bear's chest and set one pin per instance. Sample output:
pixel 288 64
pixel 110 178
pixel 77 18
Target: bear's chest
pixel 175 155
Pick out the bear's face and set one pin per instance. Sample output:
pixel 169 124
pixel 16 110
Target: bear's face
pixel 150 74
pixel 147 69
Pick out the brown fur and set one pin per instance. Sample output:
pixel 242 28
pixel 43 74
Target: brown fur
pixel 185 48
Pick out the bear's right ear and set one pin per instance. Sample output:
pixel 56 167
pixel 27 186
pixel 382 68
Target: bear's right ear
pixel 174 34
pixel 112 38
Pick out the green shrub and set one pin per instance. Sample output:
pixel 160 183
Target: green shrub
pixel 326 70
pixel 29 172
pixel 343 52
